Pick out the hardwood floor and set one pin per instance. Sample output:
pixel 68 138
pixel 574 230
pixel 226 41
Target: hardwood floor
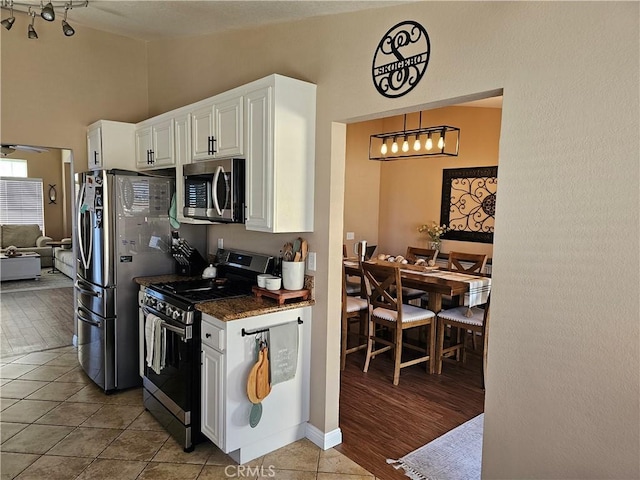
pixel 35 320
pixel 380 421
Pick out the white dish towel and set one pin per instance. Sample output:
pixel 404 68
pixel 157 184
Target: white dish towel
pixel 156 342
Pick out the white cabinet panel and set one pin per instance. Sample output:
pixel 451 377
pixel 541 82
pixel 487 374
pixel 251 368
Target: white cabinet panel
pixel 212 392
pixel 155 144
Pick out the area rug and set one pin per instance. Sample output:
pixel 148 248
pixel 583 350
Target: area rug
pixel 47 280
pixel 456 455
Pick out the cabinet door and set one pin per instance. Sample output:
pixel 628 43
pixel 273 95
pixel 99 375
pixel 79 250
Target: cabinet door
pixel 162 155
pixel 259 160
pixel 212 395
pixel 228 127
pixel 202 134
pixel 144 142
pixel 94 148
pixel 181 139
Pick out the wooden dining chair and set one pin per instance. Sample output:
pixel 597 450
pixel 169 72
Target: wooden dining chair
pixel 353 309
pixel 413 254
pixel 474 320
pixel 384 293
pixel 353 287
pixel 475 262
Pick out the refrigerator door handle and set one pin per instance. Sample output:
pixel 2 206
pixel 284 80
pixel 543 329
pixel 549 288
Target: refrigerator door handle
pixel 87 292
pixel 85 259
pixel 82 318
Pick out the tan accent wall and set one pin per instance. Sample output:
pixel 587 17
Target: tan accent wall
pixel 559 404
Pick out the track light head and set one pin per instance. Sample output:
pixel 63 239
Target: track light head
pixel 67 29
pixel 48 13
pixel 8 22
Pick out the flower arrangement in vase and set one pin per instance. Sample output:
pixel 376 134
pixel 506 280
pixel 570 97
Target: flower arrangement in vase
pixel 434 231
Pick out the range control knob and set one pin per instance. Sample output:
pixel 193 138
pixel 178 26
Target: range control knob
pixel 169 310
pixel 177 315
pixel 150 301
pixel 160 306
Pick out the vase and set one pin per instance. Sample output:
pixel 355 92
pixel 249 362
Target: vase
pixel 435 245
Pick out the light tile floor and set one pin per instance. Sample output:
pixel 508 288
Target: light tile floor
pixel 55 424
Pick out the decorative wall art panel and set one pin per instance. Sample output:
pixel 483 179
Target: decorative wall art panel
pixel 469 203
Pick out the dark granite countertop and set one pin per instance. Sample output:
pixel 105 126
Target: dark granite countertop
pixel 231 308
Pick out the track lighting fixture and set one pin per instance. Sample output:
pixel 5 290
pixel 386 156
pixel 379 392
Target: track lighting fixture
pixel 448 139
pixel 47 12
pixel 8 22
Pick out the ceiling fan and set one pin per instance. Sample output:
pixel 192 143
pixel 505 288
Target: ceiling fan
pixel 6 149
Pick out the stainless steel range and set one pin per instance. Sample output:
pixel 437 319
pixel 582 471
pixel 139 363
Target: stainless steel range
pixel 172 392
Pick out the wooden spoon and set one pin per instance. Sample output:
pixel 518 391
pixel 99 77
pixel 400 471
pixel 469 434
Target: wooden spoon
pixel 304 249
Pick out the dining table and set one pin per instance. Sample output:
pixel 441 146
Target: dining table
pixel 470 288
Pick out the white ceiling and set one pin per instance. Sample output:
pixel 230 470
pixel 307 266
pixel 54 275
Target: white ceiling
pixel 157 19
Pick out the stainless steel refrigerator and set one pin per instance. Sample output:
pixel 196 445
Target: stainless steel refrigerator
pixel 123 232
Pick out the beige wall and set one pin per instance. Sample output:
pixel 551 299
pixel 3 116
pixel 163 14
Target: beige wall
pixel 53 87
pixel 48 167
pixel 385 202
pixel 559 402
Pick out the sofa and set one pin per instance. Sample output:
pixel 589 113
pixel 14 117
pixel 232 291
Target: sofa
pixel 65 258
pixel 27 238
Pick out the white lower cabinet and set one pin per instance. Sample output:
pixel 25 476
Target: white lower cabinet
pixel 227 359
pixel 212 394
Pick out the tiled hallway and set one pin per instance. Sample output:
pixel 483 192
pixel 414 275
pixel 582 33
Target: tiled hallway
pixel 56 425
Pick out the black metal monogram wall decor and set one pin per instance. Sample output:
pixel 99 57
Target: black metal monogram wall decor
pixel 401 59
pixel 468 205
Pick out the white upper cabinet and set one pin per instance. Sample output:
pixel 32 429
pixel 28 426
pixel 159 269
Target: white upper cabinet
pixel 154 140
pixel 216 128
pixel 280 114
pixel 110 145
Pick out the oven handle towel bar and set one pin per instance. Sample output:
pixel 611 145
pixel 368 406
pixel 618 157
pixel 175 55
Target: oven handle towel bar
pixel 185 333
pixel 253 332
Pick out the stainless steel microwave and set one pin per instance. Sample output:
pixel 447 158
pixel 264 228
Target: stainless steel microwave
pixel 214 190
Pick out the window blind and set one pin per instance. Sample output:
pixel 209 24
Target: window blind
pixel 21 201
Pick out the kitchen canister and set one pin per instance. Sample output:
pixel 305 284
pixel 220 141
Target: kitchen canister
pixel 293 275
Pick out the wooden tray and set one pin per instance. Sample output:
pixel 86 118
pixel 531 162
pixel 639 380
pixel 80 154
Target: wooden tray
pixel 281 295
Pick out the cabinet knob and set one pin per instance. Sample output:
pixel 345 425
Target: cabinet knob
pixel 208 335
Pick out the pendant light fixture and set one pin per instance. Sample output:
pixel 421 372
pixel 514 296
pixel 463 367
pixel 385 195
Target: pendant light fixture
pixel 47 12
pixel 8 22
pixel 447 145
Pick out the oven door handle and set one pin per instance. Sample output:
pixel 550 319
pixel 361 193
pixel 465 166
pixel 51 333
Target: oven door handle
pixel 185 333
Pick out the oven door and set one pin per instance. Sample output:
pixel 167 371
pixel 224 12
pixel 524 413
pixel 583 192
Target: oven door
pixel 177 383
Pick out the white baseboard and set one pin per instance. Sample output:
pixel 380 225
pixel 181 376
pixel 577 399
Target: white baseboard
pixel 324 440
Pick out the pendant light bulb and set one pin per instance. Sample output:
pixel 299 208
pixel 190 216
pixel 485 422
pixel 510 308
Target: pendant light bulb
pixel 441 141
pixel 416 144
pixel 405 145
pixel 429 143
pixel 394 146
pixel 383 148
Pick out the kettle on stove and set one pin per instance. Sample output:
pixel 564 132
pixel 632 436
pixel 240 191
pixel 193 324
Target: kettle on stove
pixel 210 272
